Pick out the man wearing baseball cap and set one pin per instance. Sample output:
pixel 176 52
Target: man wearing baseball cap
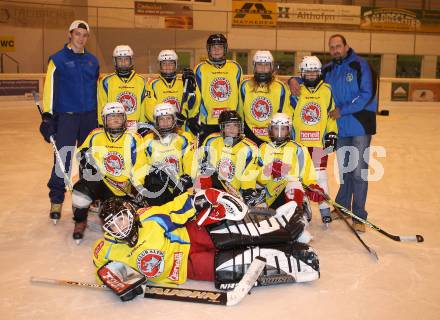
pixel 69 105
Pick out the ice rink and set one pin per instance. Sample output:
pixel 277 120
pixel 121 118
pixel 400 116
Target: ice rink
pixel 403 284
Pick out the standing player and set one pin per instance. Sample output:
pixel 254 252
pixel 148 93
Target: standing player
pixel 218 80
pixel 111 161
pixel 230 159
pixel 169 88
pixel 161 244
pixel 125 85
pixel 169 157
pixel 312 125
pixel 261 97
pixel 285 165
pixel 69 104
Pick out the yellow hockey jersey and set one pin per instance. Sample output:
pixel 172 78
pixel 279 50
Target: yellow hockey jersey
pixel 237 165
pixel 175 150
pixel 311 119
pixel 131 92
pixel 218 88
pixel 121 162
pixel 258 103
pixel 162 249
pixel 279 165
pixel 160 91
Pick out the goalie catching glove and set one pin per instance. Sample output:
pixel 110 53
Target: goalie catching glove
pixel 123 280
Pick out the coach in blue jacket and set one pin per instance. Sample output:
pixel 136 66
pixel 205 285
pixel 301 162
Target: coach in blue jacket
pixel 69 104
pixel 354 91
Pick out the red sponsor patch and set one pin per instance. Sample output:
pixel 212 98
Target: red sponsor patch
pixel 260 131
pixel 216 112
pixel 98 249
pixel 174 274
pixel 310 136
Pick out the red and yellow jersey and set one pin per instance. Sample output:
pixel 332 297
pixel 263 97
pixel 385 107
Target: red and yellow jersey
pixel 131 92
pixel 281 164
pixel 175 150
pixel 161 91
pixel 259 102
pixel 311 119
pixel 218 89
pixel 121 161
pixel 236 165
pixel 161 252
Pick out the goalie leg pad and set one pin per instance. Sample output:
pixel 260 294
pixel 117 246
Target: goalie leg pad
pixel 285 264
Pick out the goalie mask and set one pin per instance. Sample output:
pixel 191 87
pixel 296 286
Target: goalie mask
pixel 120 221
pixel 231 127
pixel 217 47
pixel 123 60
pixel 263 67
pixel 168 64
pixel 310 69
pixel 165 118
pixel 280 128
pixel 114 118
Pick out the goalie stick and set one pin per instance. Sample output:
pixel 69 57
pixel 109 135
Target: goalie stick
pixel 229 298
pixel 55 150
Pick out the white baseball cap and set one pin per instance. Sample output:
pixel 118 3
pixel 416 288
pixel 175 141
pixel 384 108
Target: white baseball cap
pixel 79 24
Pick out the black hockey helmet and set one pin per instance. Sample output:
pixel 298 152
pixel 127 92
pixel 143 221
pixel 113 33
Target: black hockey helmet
pixel 230 116
pixel 217 39
pixel 119 220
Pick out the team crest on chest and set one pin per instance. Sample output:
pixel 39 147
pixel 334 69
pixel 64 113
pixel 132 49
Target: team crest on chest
pixel 261 108
pixel 151 263
pixel 174 101
pixel 349 77
pixel 311 113
pixel 128 100
pixel 226 169
pixel 114 163
pixel 220 89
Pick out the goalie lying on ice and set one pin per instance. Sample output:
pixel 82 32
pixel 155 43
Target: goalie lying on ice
pixel 207 236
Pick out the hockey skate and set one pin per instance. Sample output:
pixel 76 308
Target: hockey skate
pixel 55 212
pixel 78 231
pixel 326 217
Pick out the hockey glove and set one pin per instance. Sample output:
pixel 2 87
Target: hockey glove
pixel 184 183
pixel 48 126
pixel 315 193
pixel 87 165
pixel 193 125
pixel 296 195
pixel 189 79
pixel 180 119
pixel 330 140
pixel 123 280
pixel 253 197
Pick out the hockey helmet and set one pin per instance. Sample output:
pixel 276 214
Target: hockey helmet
pixel 217 39
pixel 120 54
pixel 167 55
pixel 228 117
pixel 113 108
pixel 263 58
pixel 165 109
pixel 277 133
pixel 310 69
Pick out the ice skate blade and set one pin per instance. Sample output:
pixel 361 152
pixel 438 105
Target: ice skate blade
pixel 78 241
pixel 55 221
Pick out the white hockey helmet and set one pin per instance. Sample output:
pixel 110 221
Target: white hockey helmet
pixel 263 57
pixel 113 108
pixel 123 51
pixel 167 55
pixel 278 121
pixel 164 109
pixel 310 64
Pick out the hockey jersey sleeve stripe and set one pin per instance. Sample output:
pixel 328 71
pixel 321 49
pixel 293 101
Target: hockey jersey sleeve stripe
pixel 105 84
pixel 149 148
pixel 164 221
pixel 282 98
pixel 133 147
pixel 48 92
pixel 186 206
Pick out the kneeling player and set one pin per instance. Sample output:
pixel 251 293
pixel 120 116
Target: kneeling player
pixel 165 245
pixel 111 162
pixel 285 165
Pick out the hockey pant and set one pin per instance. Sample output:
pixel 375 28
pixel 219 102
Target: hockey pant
pixel 320 163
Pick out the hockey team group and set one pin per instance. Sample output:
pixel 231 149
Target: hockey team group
pixel 195 175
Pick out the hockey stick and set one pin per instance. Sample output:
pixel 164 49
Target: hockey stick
pixel 416 238
pixel 230 298
pixel 54 147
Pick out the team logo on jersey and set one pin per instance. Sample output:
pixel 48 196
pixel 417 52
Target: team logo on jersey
pixel 349 77
pixel 311 113
pixel 220 89
pixel 226 169
pixel 261 108
pixel 174 101
pixel 151 262
pixel 114 163
pixel 174 273
pixel 128 100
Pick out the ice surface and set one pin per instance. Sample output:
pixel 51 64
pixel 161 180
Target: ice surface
pixel 404 284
